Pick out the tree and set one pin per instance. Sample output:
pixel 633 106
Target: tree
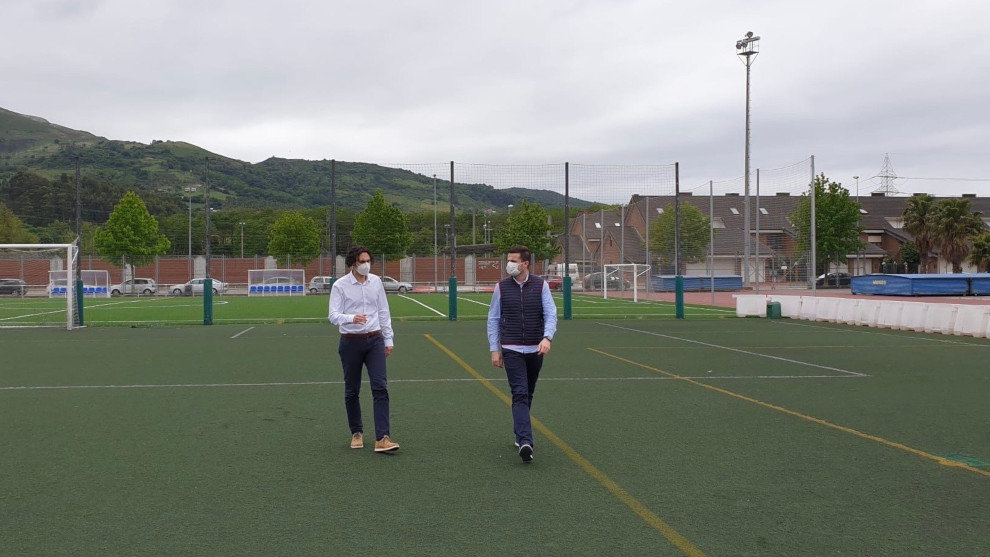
pixel 12 230
pixel 910 256
pixel 837 227
pixel 294 236
pixel 980 254
pixel 527 225
pixel 694 235
pixel 131 233
pixel 917 221
pixel 382 228
pixel 953 225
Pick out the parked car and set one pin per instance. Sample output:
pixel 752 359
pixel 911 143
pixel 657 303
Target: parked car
pixel 392 285
pixel 833 280
pixel 555 282
pixel 593 281
pixel 196 287
pixel 144 286
pixel 13 287
pixel 284 281
pixel 320 284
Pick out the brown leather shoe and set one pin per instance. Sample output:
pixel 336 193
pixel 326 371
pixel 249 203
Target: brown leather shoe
pixel 385 445
pixel 357 441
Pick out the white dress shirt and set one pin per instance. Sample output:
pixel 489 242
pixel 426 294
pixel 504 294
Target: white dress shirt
pixel 348 298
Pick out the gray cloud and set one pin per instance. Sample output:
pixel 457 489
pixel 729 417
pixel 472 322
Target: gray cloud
pixel 634 82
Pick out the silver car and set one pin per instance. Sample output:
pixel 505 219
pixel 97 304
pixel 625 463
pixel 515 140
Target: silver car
pixel 392 285
pixel 195 287
pixel 144 286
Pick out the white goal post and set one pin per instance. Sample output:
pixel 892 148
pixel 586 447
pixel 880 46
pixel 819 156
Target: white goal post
pixel 26 272
pixel 624 277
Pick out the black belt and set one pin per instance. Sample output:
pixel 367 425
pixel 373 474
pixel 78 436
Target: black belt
pixel 361 335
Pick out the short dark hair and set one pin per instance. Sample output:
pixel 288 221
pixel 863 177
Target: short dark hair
pixel 523 251
pixel 354 253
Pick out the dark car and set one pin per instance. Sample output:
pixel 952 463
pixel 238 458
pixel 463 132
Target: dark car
pixel 833 280
pixel 13 287
pixel 593 281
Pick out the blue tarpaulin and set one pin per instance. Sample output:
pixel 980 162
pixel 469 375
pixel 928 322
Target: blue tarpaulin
pixel 696 283
pixel 956 284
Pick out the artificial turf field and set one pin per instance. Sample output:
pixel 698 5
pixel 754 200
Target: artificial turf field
pixel 655 436
pixel 181 310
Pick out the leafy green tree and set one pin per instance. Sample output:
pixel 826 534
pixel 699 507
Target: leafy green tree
pixel 12 230
pixel 527 225
pixel 694 232
pixel 953 226
pixel 132 233
pixel 917 221
pixel 910 256
pixel 980 254
pixel 837 223
pixel 382 228
pixel 294 236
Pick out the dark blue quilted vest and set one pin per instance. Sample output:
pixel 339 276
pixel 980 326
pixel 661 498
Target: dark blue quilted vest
pixel 522 311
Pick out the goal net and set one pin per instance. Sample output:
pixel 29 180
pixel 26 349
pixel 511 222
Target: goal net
pixel 276 282
pixel 623 280
pixel 37 286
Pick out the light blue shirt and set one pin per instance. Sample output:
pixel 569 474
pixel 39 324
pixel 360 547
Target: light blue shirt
pixel 495 316
pixel 348 298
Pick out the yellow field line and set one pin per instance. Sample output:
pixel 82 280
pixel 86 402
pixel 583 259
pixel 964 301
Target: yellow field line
pixel 896 445
pixel 646 514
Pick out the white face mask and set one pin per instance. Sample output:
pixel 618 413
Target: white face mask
pixel 364 268
pixel 512 268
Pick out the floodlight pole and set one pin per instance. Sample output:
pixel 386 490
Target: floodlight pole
pixel 206 186
pixel 333 218
pixel 78 222
pixel 436 254
pixel 242 239
pixel 859 251
pixel 747 49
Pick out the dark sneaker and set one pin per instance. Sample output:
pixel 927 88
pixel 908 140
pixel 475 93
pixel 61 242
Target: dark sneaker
pixel 526 452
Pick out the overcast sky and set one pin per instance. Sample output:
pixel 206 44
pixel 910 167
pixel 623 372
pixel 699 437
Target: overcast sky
pixel 612 82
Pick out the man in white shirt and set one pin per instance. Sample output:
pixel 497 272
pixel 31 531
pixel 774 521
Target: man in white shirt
pixel 358 306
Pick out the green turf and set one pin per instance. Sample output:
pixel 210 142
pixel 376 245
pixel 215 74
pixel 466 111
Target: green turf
pixel 241 309
pixel 222 464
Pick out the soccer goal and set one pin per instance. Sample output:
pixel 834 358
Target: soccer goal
pixel 276 282
pixel 623 279
pixel 26 278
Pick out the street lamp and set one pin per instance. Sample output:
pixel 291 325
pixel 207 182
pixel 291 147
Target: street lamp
pixel 859 251
pixel 189 190
pixel 242 239
pixel 747 49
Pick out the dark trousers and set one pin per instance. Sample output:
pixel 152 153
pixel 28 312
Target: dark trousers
pixel 354 354
pixel 522 371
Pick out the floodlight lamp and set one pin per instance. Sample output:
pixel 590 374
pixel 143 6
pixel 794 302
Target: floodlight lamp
pixel 749 34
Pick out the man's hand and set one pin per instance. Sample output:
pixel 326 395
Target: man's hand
pixel 497 359
pixel 544 347
pixel 388 351
pixel 360 319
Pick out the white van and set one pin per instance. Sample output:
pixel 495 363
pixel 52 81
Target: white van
pixel 558 269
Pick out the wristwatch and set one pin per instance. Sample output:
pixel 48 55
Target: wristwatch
pixel 548 338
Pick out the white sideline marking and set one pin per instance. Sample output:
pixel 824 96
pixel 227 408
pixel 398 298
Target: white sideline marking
pixel 424 305
pixel 840 370
pixel 440 380
pixel 474 302
pixel 242 332
pixel 62 310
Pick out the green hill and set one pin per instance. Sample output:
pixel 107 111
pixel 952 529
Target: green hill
pixel 31 144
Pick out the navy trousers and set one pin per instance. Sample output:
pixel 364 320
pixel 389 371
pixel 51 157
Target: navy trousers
pixel 522 371
pixel 356 353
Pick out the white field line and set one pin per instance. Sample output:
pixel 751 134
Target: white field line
pixel 242 332
pixel 739 350
pixel 865 331
pixel 474 301
pixel 62 310
pixel 438 380
pixel 424 305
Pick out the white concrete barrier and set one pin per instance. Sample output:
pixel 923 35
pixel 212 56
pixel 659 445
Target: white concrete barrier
pixel 941 318
pixel 809 308
pixel 847 311
pixel 971 320
pixel 866 312
pixel 790 306
pixel 751 305
pixel 913 316
pixel 889 316
pixel 827 309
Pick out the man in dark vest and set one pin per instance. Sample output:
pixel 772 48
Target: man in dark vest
pixel 521 323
